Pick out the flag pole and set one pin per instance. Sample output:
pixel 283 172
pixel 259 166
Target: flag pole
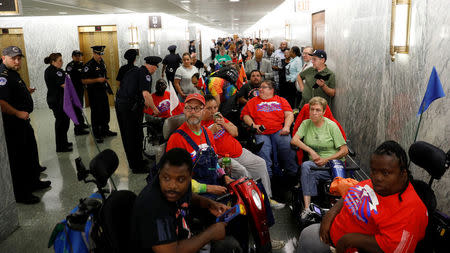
pixel 418 125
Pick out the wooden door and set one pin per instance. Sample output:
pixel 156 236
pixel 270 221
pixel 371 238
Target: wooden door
pixel 318 30
pixel 101 36
pixel 14 37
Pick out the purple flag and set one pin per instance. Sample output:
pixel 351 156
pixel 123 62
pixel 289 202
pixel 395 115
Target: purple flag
pixel 71 99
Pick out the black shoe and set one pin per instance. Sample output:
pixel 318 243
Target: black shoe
pixel 83 126
pixel 40 185
pixel 99 140
pixel 81 132
pixel 28 199
pixel 65 149
pixel 69 144
pixel 141 171
pixel 41 168
pixel 110 133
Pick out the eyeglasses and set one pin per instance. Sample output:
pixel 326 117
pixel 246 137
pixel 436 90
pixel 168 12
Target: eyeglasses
pixel 195 109
pixel 264 87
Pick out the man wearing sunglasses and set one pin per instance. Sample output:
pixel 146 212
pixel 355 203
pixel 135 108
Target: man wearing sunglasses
pixel 272 117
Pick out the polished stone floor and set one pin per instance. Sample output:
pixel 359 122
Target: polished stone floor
pixel 37 221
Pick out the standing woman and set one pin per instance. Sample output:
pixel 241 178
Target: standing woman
pixel 130 56
pixel 183 84
pixel 55 80
pixel 292 70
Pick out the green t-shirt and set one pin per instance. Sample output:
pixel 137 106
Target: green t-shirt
pixel 325 140
pixel 224 57
pixel 309 92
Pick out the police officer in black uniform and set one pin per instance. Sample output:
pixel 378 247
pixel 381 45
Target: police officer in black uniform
pixel 55 79
pixel 192 47
pixel 95 78
pixel 170 64
pixel 16 105
pixel 132 96
pixel 74 69
pixel 130 55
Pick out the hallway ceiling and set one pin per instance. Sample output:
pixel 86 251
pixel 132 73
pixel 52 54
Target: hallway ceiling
pixel 225 15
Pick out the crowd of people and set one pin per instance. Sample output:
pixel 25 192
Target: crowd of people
pixel 248 89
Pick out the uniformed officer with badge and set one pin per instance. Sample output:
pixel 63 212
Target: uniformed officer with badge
pixel 55 79
pixel 170 64
pixel 95 78
pixel 74 69
pixel 16 105
pixel 132 96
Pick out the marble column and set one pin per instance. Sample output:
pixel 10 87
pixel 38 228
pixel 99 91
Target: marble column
pixel 8 212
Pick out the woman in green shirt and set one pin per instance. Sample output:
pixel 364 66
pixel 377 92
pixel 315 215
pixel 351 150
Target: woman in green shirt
pixel 323 141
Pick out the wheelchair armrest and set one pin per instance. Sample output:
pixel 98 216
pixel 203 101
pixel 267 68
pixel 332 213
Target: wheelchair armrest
pixel 351 151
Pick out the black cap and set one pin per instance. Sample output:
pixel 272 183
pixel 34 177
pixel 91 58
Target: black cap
pixel 191 41
pixel 319 53
pixel 12 51
pixel 130 54
pixel 153 60
pixel 172 48
pixel 98 49
pixel 76 52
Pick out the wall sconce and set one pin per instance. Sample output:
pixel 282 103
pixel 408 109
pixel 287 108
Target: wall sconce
pixel 152 38
pixel 400 23
pixel 287 32
pixel 134 35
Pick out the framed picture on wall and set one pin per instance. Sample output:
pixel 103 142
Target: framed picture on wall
pixel 155 22
pixel 9 7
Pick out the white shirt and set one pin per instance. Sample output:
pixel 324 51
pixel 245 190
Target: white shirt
pixel 185 74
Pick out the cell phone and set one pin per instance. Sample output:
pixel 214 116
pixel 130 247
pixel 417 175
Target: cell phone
pixel 230 214
pixel 262 128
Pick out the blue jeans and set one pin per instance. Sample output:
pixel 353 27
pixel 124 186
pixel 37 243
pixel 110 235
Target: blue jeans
pixel 279 147
pixel 310 178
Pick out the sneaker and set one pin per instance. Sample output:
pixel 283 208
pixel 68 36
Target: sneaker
pixel 277 244
pixel 276 205
pixel 306 214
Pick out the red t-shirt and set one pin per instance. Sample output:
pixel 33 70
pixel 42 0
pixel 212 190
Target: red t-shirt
pixel 225 143
pixel 397 225
pixel 176 140
pixel 163 105
pixel 269 112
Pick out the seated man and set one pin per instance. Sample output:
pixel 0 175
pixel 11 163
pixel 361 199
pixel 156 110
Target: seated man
pixel 199 142
pixel 250 89
pixel 160 214
pixel 324 142
pixel 381 214
pixel 243 162
pixel 272 116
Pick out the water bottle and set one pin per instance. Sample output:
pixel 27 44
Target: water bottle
pixel 337 168
pixel 226 163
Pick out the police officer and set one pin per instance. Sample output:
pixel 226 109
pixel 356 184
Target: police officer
pixel 132 96
pixel 74 69
pixel 192 47
pixel 55 79
pixel 16 105
pixel 94 77
pixel 130 55
pixel 170 64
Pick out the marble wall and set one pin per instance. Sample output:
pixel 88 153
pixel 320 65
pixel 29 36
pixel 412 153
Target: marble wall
pixel 8 213
pixel 378 99
pixel 44 35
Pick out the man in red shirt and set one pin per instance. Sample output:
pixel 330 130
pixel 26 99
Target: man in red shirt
pixel 272 118
pixel 243 162
pixel 199 142
pixel 382 214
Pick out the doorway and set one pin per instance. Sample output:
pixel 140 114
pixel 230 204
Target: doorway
pixel 14 37
pixel 318 30
pixel 105 35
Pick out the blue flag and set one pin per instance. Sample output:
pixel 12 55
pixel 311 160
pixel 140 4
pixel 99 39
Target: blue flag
pixel 434 91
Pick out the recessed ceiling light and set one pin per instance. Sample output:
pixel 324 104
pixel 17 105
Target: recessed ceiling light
pixel 234 0
pixel 62 12
pixel 185 1
pixel 236 19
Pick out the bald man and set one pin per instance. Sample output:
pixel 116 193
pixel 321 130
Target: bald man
pixel 258 63
pixel 197 63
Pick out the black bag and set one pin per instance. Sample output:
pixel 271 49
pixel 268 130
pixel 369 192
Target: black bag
pixel 228 73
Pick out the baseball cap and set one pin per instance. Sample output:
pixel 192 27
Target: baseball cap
pixel 12 51
pixel 319 53
pixel 195 96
